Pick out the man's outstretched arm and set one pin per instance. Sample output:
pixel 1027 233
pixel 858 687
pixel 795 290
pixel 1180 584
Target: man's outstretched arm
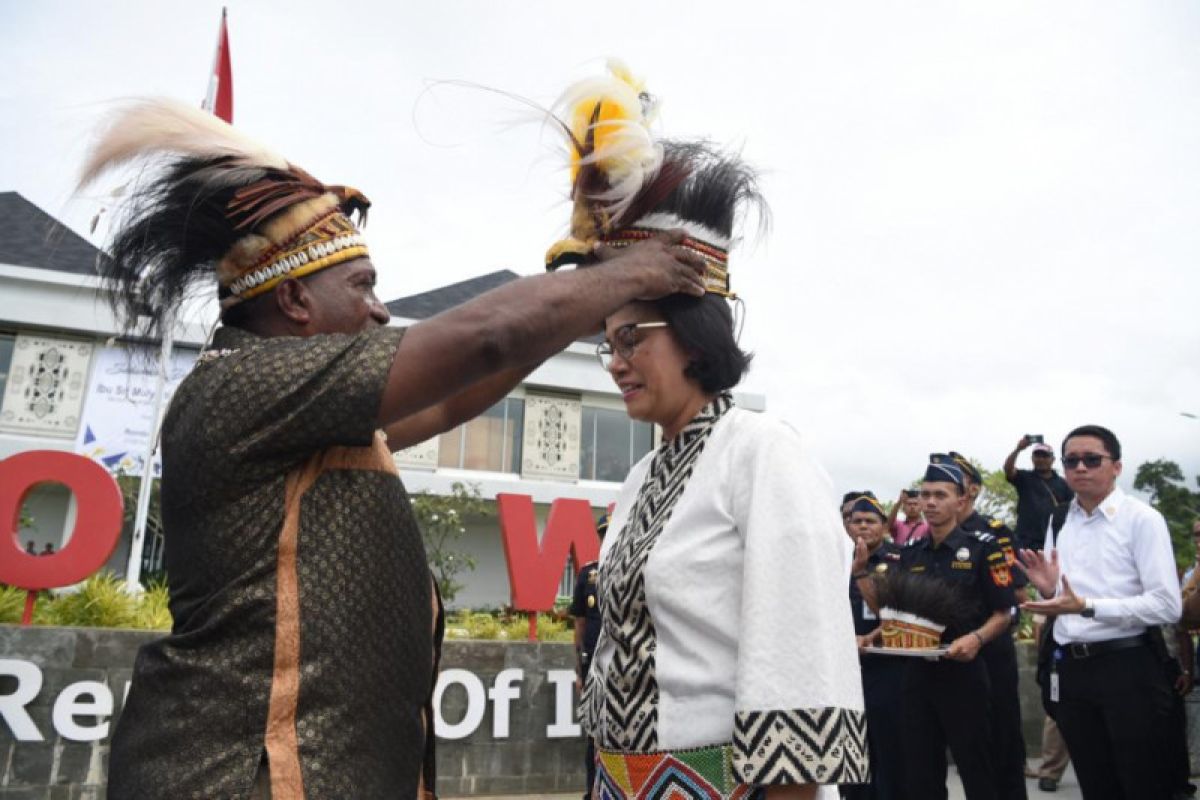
pixel 523 323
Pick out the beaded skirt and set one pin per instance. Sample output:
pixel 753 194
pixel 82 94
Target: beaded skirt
pixel 704 773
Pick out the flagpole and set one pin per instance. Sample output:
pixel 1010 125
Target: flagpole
pixel 133 569
pixel 218 101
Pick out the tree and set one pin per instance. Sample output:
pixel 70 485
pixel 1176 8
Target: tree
pixel 1178 504
pixel 442 519
pixel 998 498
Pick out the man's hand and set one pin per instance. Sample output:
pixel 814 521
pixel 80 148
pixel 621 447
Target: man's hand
pixel 964 648
pixel 1183 684
pixel 869 639
pixel 1024 443
pixel 1042 572
pixel 860 557
pixel 657 266
pixel 1067 602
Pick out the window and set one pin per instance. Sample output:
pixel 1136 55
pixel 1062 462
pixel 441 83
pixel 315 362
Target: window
pixel 611 444
pixel 491 441
pixel 6 350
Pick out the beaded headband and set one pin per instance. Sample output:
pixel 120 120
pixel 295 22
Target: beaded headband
pixel 716 260
pixel 310 236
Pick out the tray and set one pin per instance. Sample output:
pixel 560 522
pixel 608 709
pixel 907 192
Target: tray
pixel 912 652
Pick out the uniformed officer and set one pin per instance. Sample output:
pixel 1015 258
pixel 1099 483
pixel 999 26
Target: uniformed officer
pixel 585 608
pixel 1000 656
pixel 945 701
pixel 882 676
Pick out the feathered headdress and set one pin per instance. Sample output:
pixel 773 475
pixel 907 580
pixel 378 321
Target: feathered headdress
pixel 627 185
pixel 923 596
pixel 216 202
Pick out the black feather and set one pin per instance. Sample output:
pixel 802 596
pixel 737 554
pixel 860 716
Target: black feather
pixel 928 597
pixel 705 185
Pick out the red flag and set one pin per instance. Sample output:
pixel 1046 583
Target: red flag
pixel 220 83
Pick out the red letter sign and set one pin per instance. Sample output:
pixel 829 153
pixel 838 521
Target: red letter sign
pixel 535 571
pixel 98 517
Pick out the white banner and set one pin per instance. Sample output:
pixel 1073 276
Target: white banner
pixel 118 411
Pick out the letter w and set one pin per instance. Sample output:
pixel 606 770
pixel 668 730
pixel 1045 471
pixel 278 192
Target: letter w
pixel 535 570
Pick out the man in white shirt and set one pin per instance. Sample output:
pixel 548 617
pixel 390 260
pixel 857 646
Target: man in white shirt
pixel 1109 574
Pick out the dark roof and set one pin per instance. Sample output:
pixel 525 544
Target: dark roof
pixel 435 301
pixel 29 237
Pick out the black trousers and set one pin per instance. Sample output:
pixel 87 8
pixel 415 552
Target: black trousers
pixel 1008 742
pixel 1113 712
pixel 947 703
pixel 883 688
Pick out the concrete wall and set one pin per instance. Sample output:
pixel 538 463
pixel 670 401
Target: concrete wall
pixel 535 755
pixel 524 760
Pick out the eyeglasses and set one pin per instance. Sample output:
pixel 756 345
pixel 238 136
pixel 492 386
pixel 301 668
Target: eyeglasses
pixel 625 342
pixel 1089 460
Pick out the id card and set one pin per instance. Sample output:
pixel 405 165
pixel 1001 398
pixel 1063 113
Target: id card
pixel 868 613
pixel 1054 686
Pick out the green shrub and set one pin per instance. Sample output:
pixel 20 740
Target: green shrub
pixel 12 604
pixel 100 602
pixel 505 625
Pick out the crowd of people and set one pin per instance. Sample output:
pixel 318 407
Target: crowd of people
pixel 1113 664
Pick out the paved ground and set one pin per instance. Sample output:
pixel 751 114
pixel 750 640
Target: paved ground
pixel 1067 790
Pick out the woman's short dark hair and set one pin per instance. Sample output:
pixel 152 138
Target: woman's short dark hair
pixel 1103 434
pixel 703 326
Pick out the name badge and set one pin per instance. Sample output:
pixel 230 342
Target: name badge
pixel 1054 686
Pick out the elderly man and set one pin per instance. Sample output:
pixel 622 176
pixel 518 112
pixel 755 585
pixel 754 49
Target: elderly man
pixel 1108 572
pixel 303 653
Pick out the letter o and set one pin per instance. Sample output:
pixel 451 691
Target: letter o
pixel 98 518
pixel 476 704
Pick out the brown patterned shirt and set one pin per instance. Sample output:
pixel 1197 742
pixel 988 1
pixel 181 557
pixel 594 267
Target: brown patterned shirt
pixel 301 597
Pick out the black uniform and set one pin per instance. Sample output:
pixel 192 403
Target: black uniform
pixel 947 702
pixel 1000 656
pixel 585 603
pixel 882 678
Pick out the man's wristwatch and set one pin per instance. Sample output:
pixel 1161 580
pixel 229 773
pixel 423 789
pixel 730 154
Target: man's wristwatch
pixel 1089 609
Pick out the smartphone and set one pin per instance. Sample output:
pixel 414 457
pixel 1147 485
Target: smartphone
pixel 1035 438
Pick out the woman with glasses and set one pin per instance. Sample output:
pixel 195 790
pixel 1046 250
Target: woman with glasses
pixel 700 684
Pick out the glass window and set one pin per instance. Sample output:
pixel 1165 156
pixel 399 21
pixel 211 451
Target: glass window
pixel 450 448
pixel 611 443
pixel 587 443
pixel 490 442
pixel 514 433
pixel 6 350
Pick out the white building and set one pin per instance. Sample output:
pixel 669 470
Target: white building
pixel 562 433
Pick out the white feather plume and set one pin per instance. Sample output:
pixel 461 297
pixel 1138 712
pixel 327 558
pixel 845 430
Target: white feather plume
pixel 157 126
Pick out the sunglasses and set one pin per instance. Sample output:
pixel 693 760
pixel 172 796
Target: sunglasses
pixel 625 342
pixel 1089 460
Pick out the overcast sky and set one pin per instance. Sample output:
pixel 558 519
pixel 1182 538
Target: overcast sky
pixel 985 214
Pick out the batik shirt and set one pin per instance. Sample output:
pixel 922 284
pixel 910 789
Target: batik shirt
pixel 303 609
pixel 726 620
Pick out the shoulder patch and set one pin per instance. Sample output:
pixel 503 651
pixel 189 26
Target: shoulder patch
pixel 995 523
